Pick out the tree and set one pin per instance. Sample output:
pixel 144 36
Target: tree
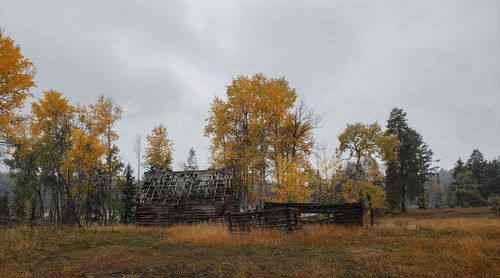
pixel 477 165
pixel 491 183
pixel 137 150
pixel 326 177
pixel 406 176
pixel 436 192
pixel 16 80
pixel 159 152
pixel 363 143
pixel 129 193
pixel 290 182
pixel 253 128
pixel 192 163
pixel 51 129
pixel 105 115
pixel 4 205
pixel 468 193
pixel 475 181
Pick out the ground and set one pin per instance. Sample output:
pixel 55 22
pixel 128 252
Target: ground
pixel 429 243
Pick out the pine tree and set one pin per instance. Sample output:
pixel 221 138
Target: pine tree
pixel 477 165
pixel 406 177
pixel 192 162
pixel 129 192
pixel 4 205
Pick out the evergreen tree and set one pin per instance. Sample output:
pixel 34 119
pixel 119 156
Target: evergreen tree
pixel 4 205
pixel 492 178
pixel 477 165
pixel 129 192
pixel 475 181
pixel 406 176
pixel 192 162
pixel 467 193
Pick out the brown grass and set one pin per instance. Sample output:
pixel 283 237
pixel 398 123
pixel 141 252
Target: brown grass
pixel 433 243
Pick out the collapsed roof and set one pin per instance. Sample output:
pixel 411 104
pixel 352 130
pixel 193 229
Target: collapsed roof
pixel 182 186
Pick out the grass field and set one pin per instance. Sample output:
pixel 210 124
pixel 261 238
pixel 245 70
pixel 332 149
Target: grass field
pixel 429 243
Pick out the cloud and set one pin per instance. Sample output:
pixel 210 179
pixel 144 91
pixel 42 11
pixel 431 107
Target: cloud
pixel 164 61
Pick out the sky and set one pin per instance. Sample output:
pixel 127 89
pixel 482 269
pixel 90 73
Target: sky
pixel 351 61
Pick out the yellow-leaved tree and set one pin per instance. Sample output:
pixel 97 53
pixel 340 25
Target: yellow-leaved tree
pixel 16 80
pixel 363 144
pixel 51 128
pixel 255 128
pixel 158 154
pixel 105 114
pixel 290 180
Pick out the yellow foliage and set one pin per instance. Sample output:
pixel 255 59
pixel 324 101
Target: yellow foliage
pixel 366 140
pixel 353 191
pixel 253 127
pixel 363 143
pixel 291 181
pixel 16 75
pixel 86 151
pixel 104 116
pixel 52 114
pixel 159 152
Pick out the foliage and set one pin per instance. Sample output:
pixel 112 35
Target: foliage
pixel 467 191
pixel 254 127
pixel 16 79
pixel 407 175
pixel 290 180
pixel 494 200
pixel 192 163
pixel 159 152
pixel 326 177
pixel 354 191
pixel 364 143
pixel 475 180
pixel 4 205
pixel 129 193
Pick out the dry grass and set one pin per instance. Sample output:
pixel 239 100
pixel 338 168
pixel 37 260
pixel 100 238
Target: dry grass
pixel 433 243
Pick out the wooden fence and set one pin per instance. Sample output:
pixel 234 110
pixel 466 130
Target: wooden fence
pixel 343 214
pixel 287 219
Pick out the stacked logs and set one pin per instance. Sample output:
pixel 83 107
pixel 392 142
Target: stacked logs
pixel 343 214
pixel 286 219
pixel 195 211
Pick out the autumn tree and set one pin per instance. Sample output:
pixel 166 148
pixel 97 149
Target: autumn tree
pixel 290 180
pixel 362 145
pixel 105 115
pixel 16 80
pixel 51 129
pixel 326 176
pixel 255 128
pixel 84 160
pixel 158 154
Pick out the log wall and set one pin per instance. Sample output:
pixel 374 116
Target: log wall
pixel 287 219
pixel 190 212
pixel 343 214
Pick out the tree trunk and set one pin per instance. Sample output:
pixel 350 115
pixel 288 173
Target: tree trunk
pixel 403 200
pixel 372 214
pixel 40 200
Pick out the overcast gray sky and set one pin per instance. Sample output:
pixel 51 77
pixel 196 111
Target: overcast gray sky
pixel 164 61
